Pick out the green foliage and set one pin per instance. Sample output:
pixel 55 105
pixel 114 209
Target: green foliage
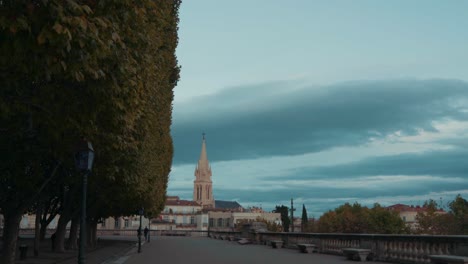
pixel 305 219
pixel 435 221
pixel 284 211
pixel 103 70
pixel 355 218
pixel 459 210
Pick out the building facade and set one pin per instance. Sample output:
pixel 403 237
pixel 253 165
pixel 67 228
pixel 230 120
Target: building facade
pixel 184 214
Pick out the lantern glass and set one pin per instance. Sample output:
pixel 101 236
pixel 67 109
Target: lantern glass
pixel 84 156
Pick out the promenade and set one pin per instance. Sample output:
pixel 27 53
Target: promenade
pixel 107 250
pixel 210 251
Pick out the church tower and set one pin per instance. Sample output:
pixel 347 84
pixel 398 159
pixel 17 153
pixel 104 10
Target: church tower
pixel 202 186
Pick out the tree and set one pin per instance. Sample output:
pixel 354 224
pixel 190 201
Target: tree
pixel 355 218
pixel 305 219
pixel 284 211
pixel 79 68
pixel 459 209
pixel 428 219
pixel 384 221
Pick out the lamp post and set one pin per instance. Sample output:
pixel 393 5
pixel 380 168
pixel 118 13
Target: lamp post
pixel 139 231
pixel 84 157
pixel 149 229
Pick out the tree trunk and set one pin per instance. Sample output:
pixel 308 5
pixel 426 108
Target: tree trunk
pixel 37 230
pixel 60 232
pixel 71 243
pixel 91 233
pixel 45 221
pixel 10 237
pixel 42 232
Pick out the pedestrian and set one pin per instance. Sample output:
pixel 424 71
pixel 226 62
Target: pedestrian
pixel 52 238
pixel 146 233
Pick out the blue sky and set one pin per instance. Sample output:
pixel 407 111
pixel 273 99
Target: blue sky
pixel 323 101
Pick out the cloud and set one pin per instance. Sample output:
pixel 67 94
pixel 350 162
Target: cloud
pixel 291 118
pixel 365 141
pixel 449 163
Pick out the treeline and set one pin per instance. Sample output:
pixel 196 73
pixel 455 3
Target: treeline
pixel 430 219
pixel 355 218
pixel 435 221
pixel 100 70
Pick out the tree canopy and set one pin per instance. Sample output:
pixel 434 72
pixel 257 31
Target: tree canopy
pixel 355 218
pixel 435 221
pixel 284 211
pixel 103 70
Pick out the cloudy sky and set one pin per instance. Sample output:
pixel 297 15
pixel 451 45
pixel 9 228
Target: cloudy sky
pixel 325 102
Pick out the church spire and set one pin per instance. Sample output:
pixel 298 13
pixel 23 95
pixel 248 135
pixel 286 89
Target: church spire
pixel 203 163
pixel 202 191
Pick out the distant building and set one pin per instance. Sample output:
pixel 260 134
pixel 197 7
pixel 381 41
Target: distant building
pixel 408 213
pixel 184 214
pixel 204 211
pixel 228 220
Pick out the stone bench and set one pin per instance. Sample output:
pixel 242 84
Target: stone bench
pixel 244 241
pixel 307 248
pixel 448 259
pixel 233 238
pixel 359 254
pixel 276 243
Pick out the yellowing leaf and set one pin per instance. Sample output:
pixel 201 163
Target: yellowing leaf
pixel 63 65
pixel 41 39
pixel 58 28
pixel 87 9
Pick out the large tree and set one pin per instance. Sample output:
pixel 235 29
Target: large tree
pixel 104 70
pixel 355 218
pixel 285 220
pixel 304 218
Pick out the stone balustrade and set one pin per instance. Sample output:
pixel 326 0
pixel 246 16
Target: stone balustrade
pixel 386 248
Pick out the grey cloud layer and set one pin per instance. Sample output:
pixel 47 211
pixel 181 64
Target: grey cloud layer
pixel 267 120
pixel 448 163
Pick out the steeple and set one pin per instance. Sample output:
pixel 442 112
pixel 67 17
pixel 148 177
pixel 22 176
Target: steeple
pixel 202 188
pixel 203 163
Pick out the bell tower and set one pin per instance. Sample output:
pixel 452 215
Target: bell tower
pixel 203 186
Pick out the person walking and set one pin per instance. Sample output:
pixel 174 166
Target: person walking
pixel 145 232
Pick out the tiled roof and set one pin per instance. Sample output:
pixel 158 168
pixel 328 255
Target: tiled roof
pixel 409 208
pixel 227 205
pixel 181 203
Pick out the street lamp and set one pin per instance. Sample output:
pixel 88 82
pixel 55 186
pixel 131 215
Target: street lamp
pixel 139 231
pixel 84 157
pixel 148 239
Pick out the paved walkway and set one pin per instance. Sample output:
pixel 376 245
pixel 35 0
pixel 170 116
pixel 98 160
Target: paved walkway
pixel 108 250
pixel 209 251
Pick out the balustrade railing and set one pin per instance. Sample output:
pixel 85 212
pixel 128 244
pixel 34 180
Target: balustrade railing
pixel 386 248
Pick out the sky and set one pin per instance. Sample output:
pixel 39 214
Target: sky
pixel 325 102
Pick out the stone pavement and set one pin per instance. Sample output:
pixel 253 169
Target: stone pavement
pixel 210 251
pixel 108 249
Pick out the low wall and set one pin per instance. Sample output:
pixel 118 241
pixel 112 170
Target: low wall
pixel 387 248
pixel 122 232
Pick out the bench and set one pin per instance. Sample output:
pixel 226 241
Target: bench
pixel 448 259
pixel 307 248
pixel 244 241
pixel 359 254
pixel 276 243
pixel 232 238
